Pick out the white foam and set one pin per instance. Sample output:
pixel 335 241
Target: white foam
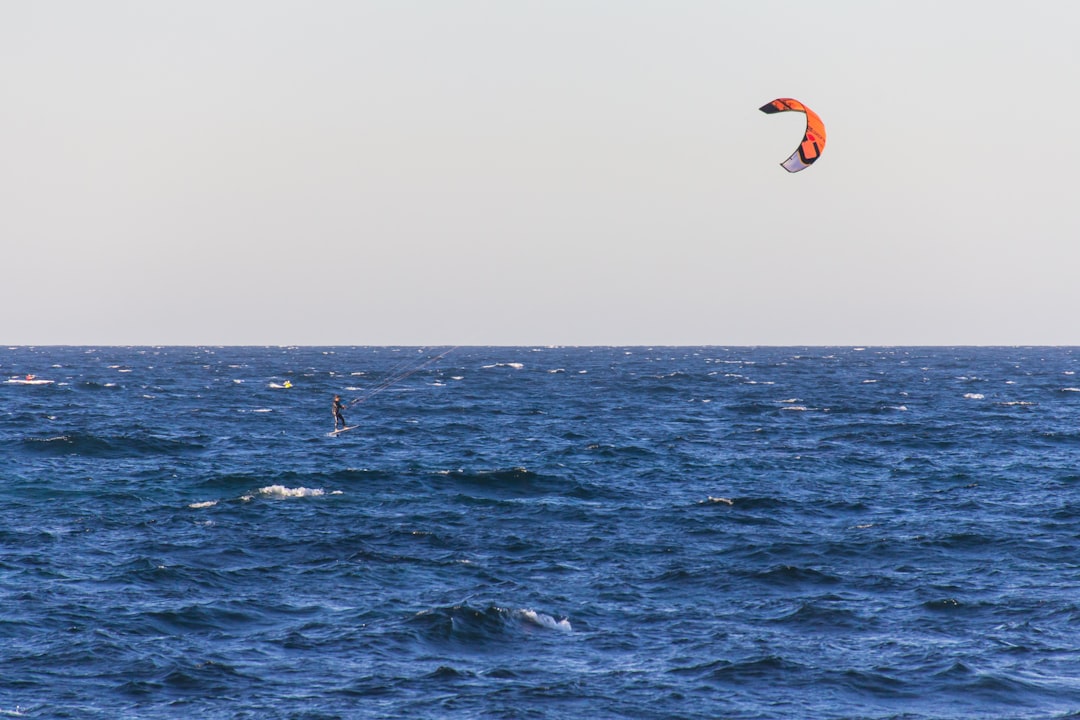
pixel 1070 390
pixel 515 365
pixel 281 491
pixel 974 396
pixel 722 500
pixel 546 621
pixel 261 410
pixel 201 505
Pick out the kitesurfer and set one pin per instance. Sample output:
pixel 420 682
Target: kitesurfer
pixel 338 416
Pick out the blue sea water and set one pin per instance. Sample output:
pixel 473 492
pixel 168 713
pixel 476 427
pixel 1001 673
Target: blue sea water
pixel 696 532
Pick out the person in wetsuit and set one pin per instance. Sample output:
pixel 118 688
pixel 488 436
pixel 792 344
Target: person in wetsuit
pixel 338 416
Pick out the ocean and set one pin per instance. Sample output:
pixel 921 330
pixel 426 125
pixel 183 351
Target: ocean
pixel 540 532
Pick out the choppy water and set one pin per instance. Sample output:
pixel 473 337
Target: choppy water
pixel 541 533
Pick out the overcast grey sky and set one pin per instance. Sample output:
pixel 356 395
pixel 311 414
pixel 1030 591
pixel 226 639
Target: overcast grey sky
pixel 538 172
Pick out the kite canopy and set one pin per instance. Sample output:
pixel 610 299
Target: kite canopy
pixel 813 141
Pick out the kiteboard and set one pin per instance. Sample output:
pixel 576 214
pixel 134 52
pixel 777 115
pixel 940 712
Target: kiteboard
pixel 344 429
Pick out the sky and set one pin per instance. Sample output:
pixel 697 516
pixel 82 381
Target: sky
pixel 538 172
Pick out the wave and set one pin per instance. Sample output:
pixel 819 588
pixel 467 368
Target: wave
pixel 825 614
pixel 109 446
pixel 743 671
pixel 94 385
pixel 280 491
pixel 469 625
pixel 794 575
pixel 514 483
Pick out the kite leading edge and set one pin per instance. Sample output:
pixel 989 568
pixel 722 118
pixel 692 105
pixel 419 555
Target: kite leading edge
pixel 813 141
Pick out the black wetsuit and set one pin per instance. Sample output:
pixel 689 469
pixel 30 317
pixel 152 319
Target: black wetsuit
pixel 338 417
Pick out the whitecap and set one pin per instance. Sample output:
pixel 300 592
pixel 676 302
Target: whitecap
pixel 283 492
pixel 1070 389
pixel 544 620
pixel 201 505
pixel 262 410
pixel 796 408
pixel 974 396
pixel 722 500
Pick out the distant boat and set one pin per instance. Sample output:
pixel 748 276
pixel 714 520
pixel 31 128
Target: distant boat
pixel 29 380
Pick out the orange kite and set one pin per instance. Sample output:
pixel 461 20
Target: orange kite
pixel 813 141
